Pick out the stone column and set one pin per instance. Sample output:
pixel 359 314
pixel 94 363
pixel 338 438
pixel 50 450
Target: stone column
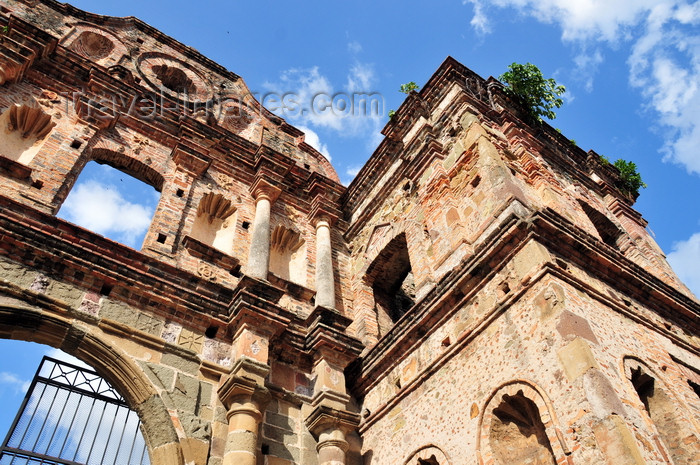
pixel 259 256
pixel 325 282
pixel 332 447
pixel 330 426
pixel 245 398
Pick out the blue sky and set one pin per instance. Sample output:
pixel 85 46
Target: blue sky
pixel 631 68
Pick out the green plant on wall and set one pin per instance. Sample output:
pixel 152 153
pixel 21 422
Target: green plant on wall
pixel 405 89
pixel 631 180
pixel 408 87
pixel 537 95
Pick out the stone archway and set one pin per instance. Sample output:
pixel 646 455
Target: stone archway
pixel 428 455
pixel 524 417
pixel 25 321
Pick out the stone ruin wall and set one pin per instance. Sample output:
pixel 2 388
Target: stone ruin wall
pixel 534 286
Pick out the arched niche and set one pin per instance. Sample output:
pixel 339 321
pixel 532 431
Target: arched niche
pixel 23 129
pixel 664 411
pixel 288 254
pixel 518 425
pixel 27 323
pixel 390 275
pixel 427 455
pixel 215 223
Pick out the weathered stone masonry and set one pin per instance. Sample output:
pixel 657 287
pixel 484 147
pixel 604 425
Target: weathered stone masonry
pixel 481 293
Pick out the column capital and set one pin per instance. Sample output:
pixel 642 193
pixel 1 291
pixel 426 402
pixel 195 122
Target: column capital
pixel 244 384
pixel 264 188
pixel 323 418
pixel 323 210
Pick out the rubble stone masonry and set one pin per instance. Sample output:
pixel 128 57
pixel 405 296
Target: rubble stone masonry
pixel 484 292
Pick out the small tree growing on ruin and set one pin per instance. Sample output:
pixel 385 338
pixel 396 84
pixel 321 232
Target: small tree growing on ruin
pixel 537 95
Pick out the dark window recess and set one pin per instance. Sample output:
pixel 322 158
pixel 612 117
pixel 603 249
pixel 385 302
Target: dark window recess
pixel 695 387
pixel 265 449
pixel 245 225
pixel 179 192
pixel 211 332
pixel 106 289
pixel 161 238
pixel 76 144
pixel 607 230
pixel 391 279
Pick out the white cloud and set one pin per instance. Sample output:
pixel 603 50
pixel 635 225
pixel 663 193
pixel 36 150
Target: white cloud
pixel 18 384
pixel 354 47
pixel 479 21
pixel 684 259
pixel 314 102
pixel 102 209
pixel 664 60
pixel 353 170
pixel 314 141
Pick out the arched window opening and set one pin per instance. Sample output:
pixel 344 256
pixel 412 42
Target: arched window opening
pixel 109 202
pixel 69 414
pixel 607 230
pixel 23 128
pixel 391 277
pixel 288 255
pixel 663 413
pixel 517 434
pixel 215 224
pixel 431 461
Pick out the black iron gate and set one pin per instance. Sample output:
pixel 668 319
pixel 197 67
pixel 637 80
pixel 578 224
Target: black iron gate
pixel 71 416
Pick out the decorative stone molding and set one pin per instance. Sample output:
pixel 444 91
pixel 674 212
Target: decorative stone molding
pixel 285 239
pixel 215 206
pixel 29 121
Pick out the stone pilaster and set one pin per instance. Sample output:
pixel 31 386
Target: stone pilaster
pixel 331 419
pixel 330 426
pixel 245 397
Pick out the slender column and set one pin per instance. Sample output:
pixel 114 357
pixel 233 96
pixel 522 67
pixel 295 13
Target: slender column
pixel 325 282
pixel 259 256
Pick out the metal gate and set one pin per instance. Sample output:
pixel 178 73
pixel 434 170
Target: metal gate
pixel 71 416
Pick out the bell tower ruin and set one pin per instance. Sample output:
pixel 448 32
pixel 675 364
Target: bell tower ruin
pixel 483 292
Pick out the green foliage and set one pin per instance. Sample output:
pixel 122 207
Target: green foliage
pixel 4 29
pixel 408 87
pixel 392 113
pixel 630 177
pixel 538 95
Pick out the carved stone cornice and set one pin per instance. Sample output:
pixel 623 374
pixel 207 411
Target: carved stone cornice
pixel 191 157
pixel 255 303
pixel 326 337
pixel 323 418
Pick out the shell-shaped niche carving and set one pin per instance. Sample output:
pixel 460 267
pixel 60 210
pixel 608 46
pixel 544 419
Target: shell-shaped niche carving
pixel 92 45
pixel 284 239
pixel 174 77
pixel 215 206
pixel 29 121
